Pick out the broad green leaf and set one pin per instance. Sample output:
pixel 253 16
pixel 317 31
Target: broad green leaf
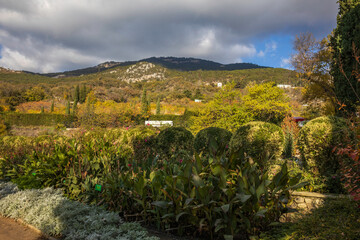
pixel 180 214
pixel 225 208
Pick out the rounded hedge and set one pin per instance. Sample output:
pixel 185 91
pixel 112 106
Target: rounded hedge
pixel 258 141
pixel 173 141
pixel 317 140
pixel 212 140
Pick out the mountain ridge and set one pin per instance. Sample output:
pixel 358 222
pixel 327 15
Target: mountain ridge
pixel 175 63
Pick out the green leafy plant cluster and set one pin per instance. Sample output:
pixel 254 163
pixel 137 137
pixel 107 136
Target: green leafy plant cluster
pixel 316 142
pixel 190 197
pixel 259 142
pixel 175 193
pixel 55 215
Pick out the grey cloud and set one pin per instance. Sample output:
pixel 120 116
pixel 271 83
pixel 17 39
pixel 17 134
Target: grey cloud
pixel 44 33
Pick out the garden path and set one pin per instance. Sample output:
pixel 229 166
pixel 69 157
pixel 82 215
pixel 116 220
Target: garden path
pixel 12 230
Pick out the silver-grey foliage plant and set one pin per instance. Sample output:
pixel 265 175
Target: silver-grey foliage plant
pixel 52 213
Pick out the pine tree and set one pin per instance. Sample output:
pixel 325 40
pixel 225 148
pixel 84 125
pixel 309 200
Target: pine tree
pixel 67 110
pixel 158 106
pixel 42 110
pixel 52 106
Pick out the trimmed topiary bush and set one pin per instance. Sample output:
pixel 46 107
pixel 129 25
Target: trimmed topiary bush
pixel 260 142
pixel 212 140
pixel 316 143
pixel 175 142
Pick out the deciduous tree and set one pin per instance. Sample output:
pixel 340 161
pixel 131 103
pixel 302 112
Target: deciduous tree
pixel 311 61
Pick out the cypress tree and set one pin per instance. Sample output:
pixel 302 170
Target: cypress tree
pixel 67 110
pixel 83 94
pixel 144 103
pixel 158 106
pixel 77 93
pixel 344 43
pixel 75 108
pixel 52 106
pixel 42 109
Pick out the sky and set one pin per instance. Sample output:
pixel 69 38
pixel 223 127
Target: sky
pixel 58 35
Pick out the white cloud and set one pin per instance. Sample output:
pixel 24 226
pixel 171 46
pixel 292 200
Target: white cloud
pixel 285 63
pixel 86 31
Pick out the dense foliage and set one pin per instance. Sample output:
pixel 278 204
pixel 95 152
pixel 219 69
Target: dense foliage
pixel 345 45
pixel 260 142
pixel 266 102
pixel 316 142
pixel 182 196
pixel 175 143
pixel 225 111
pixel 36 119
pixel 212 141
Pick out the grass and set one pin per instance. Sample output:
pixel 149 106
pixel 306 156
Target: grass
pixel 336 219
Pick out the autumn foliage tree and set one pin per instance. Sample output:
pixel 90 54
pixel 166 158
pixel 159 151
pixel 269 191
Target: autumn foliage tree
pixel 266 102
pixel 312 61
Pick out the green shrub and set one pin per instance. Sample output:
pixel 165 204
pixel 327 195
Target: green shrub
pixel 212 140
pixel 259 141
pixel 34 119
pixel 175 142
pixel 316 143
pixel 317 140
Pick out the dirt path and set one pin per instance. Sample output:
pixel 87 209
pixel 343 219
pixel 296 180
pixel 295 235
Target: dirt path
pixel 12 230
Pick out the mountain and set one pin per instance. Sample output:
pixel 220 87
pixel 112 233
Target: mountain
pixel 175 63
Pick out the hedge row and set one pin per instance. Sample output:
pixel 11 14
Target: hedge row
pixel 36 119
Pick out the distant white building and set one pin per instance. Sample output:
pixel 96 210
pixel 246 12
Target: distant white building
pixel 283 86
pixel 198 100
pixel 219 84
pixel 159 123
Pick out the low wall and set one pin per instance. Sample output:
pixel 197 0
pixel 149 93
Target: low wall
pixel 305 201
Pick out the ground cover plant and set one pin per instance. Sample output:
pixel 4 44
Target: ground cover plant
pixel 55 215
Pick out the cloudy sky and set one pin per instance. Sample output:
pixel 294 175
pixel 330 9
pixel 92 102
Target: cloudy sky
pixel 58 35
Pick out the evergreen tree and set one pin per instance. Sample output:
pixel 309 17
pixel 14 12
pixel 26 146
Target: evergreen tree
pixel 52 106
pixel 158 106
pixel 83 94
pixel 67 110
pixel 345 45
pixel 42 109
pixel 198 94
pixel 77 93
pixel 75 107
pixel 144 103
